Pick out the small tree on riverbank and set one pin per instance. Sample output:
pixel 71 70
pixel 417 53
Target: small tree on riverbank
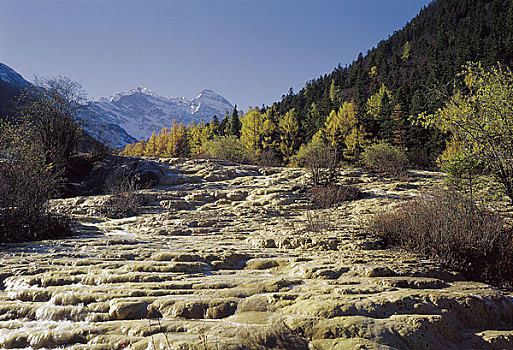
pixel 321 161
pixel 26 184
pixel 479 119
pixel 51 112
pixel 36 150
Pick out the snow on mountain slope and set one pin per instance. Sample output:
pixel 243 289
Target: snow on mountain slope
pixel 133 115
pixel 140 111
pixel 8 75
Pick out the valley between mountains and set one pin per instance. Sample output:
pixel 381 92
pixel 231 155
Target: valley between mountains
pixel 225 256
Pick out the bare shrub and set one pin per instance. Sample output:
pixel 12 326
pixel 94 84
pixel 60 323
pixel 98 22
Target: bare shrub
pixel 384 157
pixel 321 161
pixel 452 229
pixel 268 158
pixel 123 200
pixel 26 185
pixel 24 213
pixel 330 195
pixel 318 222
pixel 52 113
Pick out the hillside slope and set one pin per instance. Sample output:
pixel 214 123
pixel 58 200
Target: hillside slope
pixel 11 85
pixel 414 64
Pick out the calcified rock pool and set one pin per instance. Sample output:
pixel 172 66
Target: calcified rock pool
pixel 234 257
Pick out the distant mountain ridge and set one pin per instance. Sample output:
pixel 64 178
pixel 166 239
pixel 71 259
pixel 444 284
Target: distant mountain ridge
pixel 127 116
pixel 141 111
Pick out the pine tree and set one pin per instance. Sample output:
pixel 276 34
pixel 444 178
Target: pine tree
pixel 214 125
pixel 313 122
pixel 224 125
pixel 235 123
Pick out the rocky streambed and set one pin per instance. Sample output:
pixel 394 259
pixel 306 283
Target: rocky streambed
pixel 235 257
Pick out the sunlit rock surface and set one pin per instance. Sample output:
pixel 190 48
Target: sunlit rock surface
pixel 234 257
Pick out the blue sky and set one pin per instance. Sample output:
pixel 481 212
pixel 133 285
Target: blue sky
pixel 250 51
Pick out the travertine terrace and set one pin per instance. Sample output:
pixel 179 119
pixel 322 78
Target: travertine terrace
pixel 234 257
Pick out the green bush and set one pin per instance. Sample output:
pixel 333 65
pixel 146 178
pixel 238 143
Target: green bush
pixel 384 157
pixel 321 161
pixel 226 148
pixel 452 229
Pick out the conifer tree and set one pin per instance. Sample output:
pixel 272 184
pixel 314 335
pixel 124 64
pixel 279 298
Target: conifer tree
pixel 252 131
pixel 313 122
pixel 289 134
pixel 151 147
pixel 224 125
pixel 340 125
pixel 235 124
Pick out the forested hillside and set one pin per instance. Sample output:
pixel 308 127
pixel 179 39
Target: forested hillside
pixel 405 73
pixel 372 100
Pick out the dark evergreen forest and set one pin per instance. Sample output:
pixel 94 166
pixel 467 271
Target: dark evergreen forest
pixel 417 65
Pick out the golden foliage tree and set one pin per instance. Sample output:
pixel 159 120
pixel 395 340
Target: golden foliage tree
pixel 198 135
pixel 288 128
pixel 252 131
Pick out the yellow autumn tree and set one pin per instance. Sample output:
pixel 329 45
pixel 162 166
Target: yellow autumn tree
pixel 268 131
pixel 339 124
pixel 177 140
pixel 355 142
pixel 334 92
pixel 288 128
pixel 161 142
pixel 342 131
pixel 375 102
pixel 151 147
pixel 252 131
pixel 406 51
pixel 198 135
pixel 135 149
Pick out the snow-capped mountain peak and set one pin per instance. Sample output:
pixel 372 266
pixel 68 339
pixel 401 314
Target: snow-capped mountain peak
pixel 212 100
pixel 140 111
pixel 137 90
